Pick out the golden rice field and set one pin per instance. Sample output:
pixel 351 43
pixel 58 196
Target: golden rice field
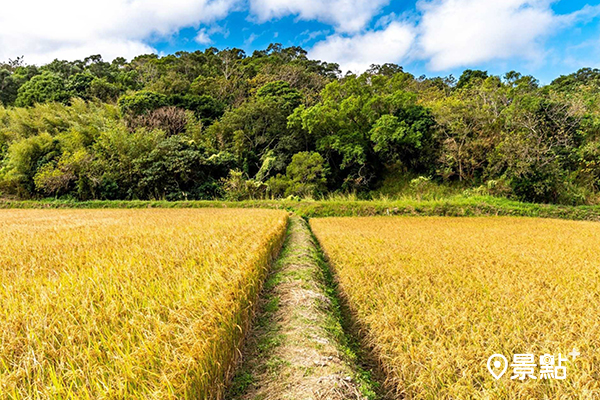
pixel 437 296
pixel 128 304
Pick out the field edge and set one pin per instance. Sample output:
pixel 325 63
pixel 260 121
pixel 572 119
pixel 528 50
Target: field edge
pixel 455 207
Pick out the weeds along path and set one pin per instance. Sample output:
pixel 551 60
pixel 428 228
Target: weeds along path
pixel 297 348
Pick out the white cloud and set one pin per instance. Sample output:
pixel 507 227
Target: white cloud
pixel 250 39
pixel 312 35
pixel 356 53
pixel 68 29
pixel 203 37
pixel 458 33
pixel 446 33
pixel 345 15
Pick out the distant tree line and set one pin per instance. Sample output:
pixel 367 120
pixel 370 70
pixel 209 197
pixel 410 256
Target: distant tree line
pixel 222 124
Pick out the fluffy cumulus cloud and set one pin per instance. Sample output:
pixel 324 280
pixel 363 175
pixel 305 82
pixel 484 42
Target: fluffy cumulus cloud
pixel 356 53
pixel 458 33
pixel 454 33
pixel 445 33
pixel 344 15
pixel 203 37
pixel 69 29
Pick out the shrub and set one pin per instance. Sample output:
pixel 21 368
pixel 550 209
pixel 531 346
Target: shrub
pixel 171 120
pixel 237 187
pixel 59 179
pixel 278 186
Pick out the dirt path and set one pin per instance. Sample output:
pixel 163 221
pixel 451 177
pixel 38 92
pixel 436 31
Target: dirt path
pixel 297 348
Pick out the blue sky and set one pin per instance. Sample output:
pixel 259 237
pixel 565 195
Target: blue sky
pixel 432 37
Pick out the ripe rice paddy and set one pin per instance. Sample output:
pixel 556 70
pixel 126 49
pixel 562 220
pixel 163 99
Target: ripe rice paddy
pixel 436 296
pixel 136 304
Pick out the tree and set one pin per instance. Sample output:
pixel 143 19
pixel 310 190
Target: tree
pixel 102 89
pixel 79 85
pixel 179 169
pixel 61 177
pixel 363 122
pixel 206 108
pixel 470 77
pixel 387 69
pixel 469 126
pixel 307 175
pixel 539 148
pixel 42 88
pixel 174 127
pixel 9 87
pixel 171 120
pixel 139 103
pixel 258 128
pixel 404 135
pixel 26 157
pixel 281 91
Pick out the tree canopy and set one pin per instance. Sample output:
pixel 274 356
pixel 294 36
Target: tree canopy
pixel 221 123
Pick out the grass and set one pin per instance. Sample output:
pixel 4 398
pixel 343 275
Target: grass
pixel 398 182
pixel 136 304
pixel 339 324
pixel 298 348
pixel 438 296
pixel 350 206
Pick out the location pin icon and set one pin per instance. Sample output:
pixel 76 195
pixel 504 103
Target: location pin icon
pixel 497 365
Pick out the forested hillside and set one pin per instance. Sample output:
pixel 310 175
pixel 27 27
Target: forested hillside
pixel 222 124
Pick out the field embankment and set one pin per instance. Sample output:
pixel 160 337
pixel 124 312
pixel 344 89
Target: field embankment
pixel 438 296
pixel 136 304
pixel 297 348
pixel 453 206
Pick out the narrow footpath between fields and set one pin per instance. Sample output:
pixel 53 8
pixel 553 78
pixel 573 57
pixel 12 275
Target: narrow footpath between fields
pixel 297 348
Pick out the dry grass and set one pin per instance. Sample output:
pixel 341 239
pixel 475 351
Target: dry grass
pixel 296 351
pixel 438 296
pixel 128 304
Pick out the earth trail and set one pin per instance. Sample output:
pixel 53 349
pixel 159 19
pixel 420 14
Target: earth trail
pixel 294 350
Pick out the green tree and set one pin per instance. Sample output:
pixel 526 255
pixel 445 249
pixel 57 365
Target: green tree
pixel 539 149
pixel 102 89
pixel 288 97
pixel 139 103
pixel 25 158
pixel 206 108
pixel 470 123
pixel 79 85
pixel 9 87
pixel 61 177
pixel 258 129
pixel 363 122
pixel 307 175
pixel 471 77
pixel 179 169
pixel 42 88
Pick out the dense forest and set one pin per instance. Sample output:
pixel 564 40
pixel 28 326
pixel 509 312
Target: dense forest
pixel 222 124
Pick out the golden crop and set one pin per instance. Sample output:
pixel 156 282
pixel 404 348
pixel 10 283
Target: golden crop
pixel 438 296
pixel 127 304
